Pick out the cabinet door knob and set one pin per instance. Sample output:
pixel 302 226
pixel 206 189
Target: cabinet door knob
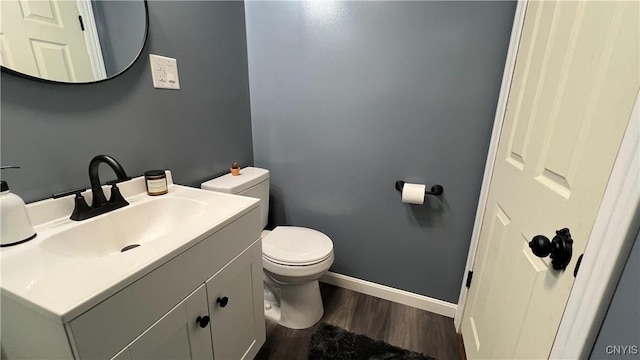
pixel 203 321
pixel 222 301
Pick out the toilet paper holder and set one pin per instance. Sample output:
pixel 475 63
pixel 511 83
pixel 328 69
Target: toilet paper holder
pixel 435 189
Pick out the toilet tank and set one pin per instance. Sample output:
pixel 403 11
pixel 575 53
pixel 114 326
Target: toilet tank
pixel 252 182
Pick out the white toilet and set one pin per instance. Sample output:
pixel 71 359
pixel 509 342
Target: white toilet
pixel 293 258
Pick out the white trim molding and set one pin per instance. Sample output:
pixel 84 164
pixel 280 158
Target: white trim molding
pixel 509 67
pixel 85 8
pixel 608 247
pixel 392 294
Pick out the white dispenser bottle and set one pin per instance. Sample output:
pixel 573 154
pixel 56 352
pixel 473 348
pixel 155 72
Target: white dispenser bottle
pixel 15 227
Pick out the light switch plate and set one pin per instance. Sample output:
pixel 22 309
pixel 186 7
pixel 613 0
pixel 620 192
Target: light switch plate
pixel 164 71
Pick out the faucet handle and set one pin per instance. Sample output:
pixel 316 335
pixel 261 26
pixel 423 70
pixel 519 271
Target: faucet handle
pixel 67 193
pixel 116 196
pixel 81 207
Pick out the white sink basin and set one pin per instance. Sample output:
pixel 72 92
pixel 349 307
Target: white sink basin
pixel 136 224
pixel 72 266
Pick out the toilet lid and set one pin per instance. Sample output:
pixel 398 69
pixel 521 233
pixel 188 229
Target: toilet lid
pixel 296 245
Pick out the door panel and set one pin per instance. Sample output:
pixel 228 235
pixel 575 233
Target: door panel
pixel 482 321
pixel 575 81
pixel 52 60
pixel 40 11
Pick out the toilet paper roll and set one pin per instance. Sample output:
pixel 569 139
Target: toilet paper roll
pixel 413 193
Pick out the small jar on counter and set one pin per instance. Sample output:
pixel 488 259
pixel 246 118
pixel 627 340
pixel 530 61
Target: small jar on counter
pixel 156 182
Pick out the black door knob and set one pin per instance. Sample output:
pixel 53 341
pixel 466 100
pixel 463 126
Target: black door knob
pixel 222 301
pixel 540 245
pixel 203 321
pixel 560 248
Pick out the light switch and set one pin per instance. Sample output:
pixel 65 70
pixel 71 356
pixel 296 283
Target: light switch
pixel 164 71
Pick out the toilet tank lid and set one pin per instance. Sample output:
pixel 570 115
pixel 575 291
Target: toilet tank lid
pixel 249 177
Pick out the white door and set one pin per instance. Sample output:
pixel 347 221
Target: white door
pixel 183 333
pixel 574 85
pixel 43 38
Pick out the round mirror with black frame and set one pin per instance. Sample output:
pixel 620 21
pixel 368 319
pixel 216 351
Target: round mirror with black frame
pixel 71 41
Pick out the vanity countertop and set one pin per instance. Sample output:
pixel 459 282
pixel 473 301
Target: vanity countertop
pixel 61 286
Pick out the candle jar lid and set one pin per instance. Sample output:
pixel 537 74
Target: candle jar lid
pixel 154 173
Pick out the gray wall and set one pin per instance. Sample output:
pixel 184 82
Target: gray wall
pixel 120 31
pixel 54 130
pixel 348 97
pixel 621 326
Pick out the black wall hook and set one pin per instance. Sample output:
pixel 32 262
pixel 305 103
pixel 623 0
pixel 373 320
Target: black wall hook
pixel 435 189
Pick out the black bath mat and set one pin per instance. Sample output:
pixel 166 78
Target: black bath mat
pixel 330 342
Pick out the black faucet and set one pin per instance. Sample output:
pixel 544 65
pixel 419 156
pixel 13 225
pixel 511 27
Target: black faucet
pixel 96 188
pixel 100 205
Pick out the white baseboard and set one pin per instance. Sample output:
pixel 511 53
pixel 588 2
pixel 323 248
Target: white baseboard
pixel 392 294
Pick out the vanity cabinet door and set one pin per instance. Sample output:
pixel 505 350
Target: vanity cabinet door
pixel 236 304
pixel 179 334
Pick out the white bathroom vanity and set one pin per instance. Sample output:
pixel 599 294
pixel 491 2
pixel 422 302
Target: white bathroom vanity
pixel 192 288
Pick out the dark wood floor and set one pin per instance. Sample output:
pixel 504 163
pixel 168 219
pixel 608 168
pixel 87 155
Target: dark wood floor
pixel 379 319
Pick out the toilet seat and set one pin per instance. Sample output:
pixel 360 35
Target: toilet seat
pixel 280 262
pixel 296 246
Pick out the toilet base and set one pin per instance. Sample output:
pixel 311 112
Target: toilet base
pixel 272 311
pixel 300 306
